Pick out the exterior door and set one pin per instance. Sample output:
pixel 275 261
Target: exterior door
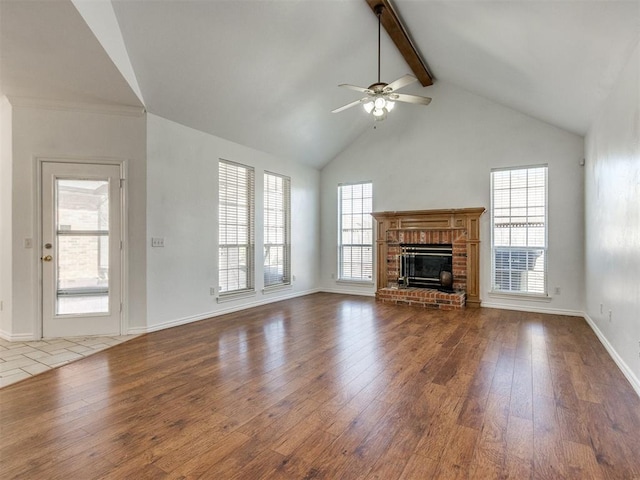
pixel 81 249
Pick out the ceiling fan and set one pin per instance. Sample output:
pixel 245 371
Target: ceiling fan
pixel 381 97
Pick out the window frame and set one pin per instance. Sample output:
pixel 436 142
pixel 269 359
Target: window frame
pixel 285 225
pixel 249 246
pixel 341 277
pixel 544 293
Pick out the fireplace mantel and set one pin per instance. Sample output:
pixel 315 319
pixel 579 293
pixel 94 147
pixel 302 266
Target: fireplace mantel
pixel 392 226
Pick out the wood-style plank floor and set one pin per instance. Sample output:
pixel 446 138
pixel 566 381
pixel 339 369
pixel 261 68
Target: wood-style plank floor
pixel 332 387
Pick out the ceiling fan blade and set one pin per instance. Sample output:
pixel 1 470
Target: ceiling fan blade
pixel 348 105
pixel 356 88
pixel 403 97
pixel 401 82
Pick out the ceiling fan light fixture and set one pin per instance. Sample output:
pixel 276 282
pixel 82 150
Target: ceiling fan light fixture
pixel 379 102
pixel 390 105
pixel 368 106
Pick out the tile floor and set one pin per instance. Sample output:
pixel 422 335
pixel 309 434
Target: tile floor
pixel 20 360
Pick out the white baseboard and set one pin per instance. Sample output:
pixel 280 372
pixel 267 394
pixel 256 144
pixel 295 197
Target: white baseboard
pixel 349 291
pixel 626 371
pixel 532 308
pixel 17 337
pixel 234 308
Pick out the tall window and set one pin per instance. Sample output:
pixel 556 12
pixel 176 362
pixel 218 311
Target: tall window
pixel 519 236
pixel 277 214
pixel 355 231
pixel 236 224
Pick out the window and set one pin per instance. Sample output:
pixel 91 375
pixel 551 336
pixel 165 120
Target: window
pixel 277 214
pixel 236 220
pixel 519 230
pixel 355 232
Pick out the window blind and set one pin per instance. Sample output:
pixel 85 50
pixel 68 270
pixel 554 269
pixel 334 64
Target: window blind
pixel 356 231
pixel 519 229
pixel 236 227
pixel 277 221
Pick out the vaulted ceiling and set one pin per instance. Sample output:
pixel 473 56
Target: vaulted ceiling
pixel 265 73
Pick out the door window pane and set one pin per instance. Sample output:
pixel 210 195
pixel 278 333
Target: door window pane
pixel 82 246
pixel 83 262
pixel 83 204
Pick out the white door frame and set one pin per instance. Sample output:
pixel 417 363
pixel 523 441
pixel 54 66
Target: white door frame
pixel 37 247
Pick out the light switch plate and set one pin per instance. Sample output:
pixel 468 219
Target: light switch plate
pixel 157 242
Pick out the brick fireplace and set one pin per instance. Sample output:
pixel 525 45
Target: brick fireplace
pixel 459 228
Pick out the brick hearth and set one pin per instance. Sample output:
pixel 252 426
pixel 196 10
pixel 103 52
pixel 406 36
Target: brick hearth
pixel 423 297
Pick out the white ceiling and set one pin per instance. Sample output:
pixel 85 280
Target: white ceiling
pixel 47 51
pixel 265 73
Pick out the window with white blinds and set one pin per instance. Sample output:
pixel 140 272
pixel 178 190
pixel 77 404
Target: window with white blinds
pixel 355 202
pixel 277 220
pixel 519 230
pixel 236 228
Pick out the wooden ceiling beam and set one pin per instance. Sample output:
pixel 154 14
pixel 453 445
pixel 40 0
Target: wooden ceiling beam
pixel 400 37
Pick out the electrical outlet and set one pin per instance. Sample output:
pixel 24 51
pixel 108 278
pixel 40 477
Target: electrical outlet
pixel 293 277
pixel 601 309
pixel 609 315
pixel 212 290
pixel 333 276
pixel 557 290
pixel 157 242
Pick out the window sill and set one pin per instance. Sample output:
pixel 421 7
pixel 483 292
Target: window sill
pixel 230 297
pixel 363 283
pixel 534 297
pixel 276 288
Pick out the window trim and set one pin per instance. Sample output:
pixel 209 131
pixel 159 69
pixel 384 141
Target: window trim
pixel 249 290
pixel 351 280
pixel 287 275
pixel 544 296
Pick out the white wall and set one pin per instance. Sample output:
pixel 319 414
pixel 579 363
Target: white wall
pixel 182 203
pixel 612 192
pixel 441 157
pixel 53 133
pixel 5 217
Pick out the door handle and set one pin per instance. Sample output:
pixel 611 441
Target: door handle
pixel 47 258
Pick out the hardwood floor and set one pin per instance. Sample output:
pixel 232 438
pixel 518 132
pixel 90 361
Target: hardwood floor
pixel 332 387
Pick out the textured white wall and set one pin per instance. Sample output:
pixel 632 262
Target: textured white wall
pixel 5 216
pixel 183 209
pixel 441 157
pixel 612 193
pixel 49 133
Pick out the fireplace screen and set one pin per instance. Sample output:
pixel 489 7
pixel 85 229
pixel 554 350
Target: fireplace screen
pixel 422 265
